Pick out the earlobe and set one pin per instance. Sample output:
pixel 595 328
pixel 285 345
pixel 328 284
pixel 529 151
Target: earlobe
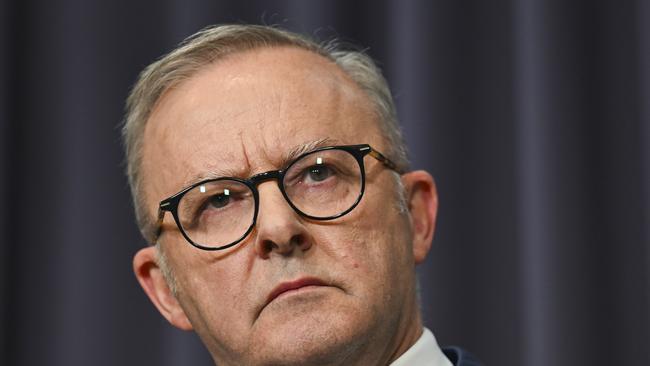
pixel 150 276
pixel 422 199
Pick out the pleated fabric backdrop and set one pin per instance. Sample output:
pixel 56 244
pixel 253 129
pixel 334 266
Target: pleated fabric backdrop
pixel 533 115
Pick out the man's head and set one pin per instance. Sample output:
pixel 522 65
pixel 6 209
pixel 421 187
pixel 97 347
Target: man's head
pixel 237 101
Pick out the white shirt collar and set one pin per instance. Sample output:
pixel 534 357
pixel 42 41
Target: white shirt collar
pixel 425 352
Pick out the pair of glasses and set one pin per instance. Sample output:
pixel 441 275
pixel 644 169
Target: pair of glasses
pixel 323 184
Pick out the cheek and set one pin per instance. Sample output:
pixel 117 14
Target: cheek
pixel 371 249
pixel 212 294
pixel 218 308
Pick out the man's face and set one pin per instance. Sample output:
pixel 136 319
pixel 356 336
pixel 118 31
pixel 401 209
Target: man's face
pixel 242 116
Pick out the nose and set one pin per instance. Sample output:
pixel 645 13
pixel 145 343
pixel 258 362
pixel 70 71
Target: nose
pixel 280 229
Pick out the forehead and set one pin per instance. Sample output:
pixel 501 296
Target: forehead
pixel 243 114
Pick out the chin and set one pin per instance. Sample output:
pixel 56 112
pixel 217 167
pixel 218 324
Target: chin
pixel 318 347
pixel 309 332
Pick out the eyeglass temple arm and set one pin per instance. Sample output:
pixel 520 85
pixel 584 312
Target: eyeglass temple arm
pixel 384 160
pixel 157 229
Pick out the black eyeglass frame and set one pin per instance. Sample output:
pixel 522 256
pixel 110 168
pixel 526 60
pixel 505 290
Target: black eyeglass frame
pixel 171 203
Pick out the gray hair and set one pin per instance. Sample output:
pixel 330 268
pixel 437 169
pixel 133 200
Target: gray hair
pixel 217 42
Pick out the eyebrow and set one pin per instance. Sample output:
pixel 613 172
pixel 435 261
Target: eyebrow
pixel 310 146
pixel 287 158
pixel 212 173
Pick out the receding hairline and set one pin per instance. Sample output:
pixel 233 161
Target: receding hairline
pixel 199 48
pixel 333 69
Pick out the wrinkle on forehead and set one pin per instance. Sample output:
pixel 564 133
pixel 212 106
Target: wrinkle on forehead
pixel 247 163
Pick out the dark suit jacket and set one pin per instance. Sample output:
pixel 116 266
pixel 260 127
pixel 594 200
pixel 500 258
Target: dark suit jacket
pixel 459 357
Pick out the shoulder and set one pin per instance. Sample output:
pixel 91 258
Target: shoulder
pixel 460 357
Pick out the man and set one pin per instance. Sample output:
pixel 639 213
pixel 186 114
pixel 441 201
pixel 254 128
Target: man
pixel 270 176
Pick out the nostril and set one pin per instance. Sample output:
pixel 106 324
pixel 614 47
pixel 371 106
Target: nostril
pixel 300 241
pixel 268 246
pixel 285 247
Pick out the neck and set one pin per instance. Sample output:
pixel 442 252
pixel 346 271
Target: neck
pixel 409 335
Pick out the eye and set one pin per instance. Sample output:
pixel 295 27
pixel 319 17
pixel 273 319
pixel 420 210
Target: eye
pixel 219 200
pixel 319 173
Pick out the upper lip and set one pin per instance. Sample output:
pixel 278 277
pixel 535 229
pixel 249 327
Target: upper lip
pixel 293 285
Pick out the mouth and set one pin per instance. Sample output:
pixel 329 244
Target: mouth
pixel 286 288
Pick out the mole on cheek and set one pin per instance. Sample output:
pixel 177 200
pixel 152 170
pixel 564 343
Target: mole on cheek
pixel 350 261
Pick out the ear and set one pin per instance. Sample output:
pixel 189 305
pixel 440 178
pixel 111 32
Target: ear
pixel 150 276
pixel 422 200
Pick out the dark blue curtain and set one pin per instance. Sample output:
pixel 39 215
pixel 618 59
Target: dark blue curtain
pixel 533 115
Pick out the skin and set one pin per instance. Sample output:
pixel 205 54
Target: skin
pixel 238 117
